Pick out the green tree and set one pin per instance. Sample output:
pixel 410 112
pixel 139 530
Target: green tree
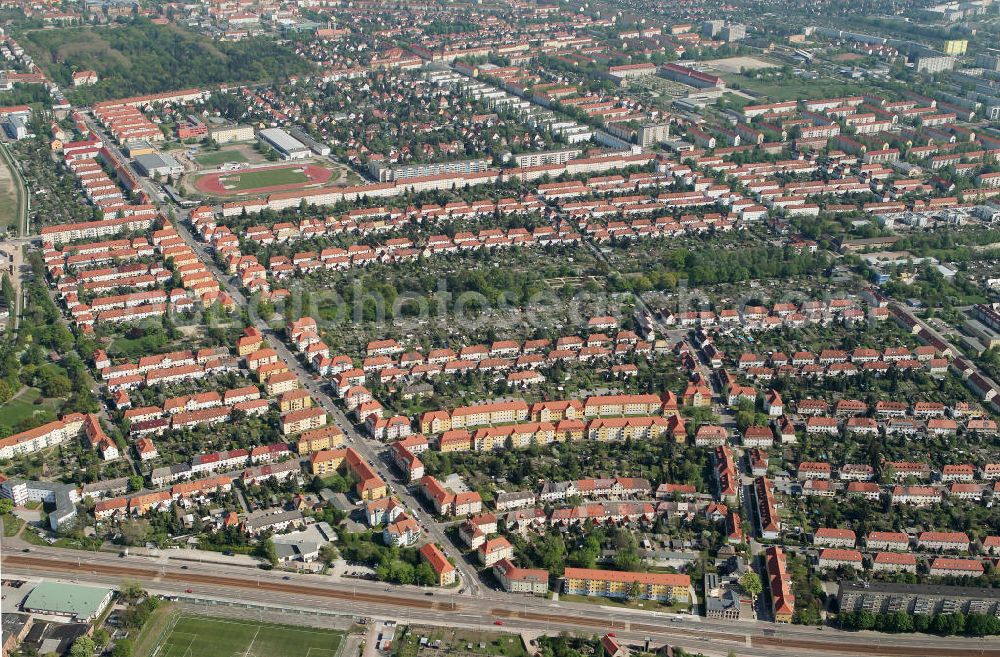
pixel 328 554
pixel 981 625
pixel 132 590
pixel 266 550
pixel 135 482
pixel 899 622
pixel 750 583
pixel 84 646
pixel 948 624
pixel 122 649
pixel 632 592
pixel 101 637
pixel 424 574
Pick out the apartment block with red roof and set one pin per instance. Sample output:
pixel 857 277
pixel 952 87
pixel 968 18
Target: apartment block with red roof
pixel 834 538
pixel 521 580
pixel 443 569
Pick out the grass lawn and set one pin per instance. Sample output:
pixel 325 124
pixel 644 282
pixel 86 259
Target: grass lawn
pixel 23 406
pixel 10 198
pixel 199 636
pixel 150 634
pixel 217 158
pixel 266 178
pixel 11 525
pixel 796 88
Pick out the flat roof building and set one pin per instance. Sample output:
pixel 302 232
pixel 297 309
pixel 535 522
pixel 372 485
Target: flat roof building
pixel 81 603
pixel 158 163
pixel 63 496
pixel 288 147
pixel 230 132
pixel 927 599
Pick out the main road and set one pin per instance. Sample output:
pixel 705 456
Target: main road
pixel 411 604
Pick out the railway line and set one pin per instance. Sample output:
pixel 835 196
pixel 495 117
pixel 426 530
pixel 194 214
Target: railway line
pixel 781 640
pixel 193 578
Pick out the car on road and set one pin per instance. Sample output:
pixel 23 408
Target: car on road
pixel 189 590
pixel 498 622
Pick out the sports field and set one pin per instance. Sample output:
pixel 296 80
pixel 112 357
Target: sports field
pixel 276 178
pixel 217 158
pixel 244 180
pixel 199 636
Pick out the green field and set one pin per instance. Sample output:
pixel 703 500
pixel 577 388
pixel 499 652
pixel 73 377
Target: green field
pixel 217 158
pixel 266 178
pixel 795 88
pixel 198 636
pixel 12 206
pixel 23 406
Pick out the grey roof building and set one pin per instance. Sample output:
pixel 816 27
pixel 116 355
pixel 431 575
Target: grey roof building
pixel 106 488
pixel 169 474
pixel 287 146
pixel 63 496
pixel 267 519
pixel 158 163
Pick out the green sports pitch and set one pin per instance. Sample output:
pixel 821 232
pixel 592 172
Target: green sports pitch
pixel 218 158
pixel 243 180
pixel 199 636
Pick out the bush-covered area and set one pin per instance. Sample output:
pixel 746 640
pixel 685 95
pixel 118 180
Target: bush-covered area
pixel 141 57
pixel 944 624
pixel 27 360
pixel 392 564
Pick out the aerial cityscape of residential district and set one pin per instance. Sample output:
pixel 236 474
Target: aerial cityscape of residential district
pixel 499 328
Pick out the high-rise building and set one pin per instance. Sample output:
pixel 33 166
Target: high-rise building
pixel 733 32
pixel 712 28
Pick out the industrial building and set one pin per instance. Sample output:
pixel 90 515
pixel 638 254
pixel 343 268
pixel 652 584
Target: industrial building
pixel 136 148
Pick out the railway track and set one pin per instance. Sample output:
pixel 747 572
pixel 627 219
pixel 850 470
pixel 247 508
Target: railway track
pixel 872 647
pixel 843 644
pixel 189 578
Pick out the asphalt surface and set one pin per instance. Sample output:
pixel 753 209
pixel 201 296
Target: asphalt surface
pixel 414 605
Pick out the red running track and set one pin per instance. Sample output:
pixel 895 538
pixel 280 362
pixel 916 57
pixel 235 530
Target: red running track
pixel 212 183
